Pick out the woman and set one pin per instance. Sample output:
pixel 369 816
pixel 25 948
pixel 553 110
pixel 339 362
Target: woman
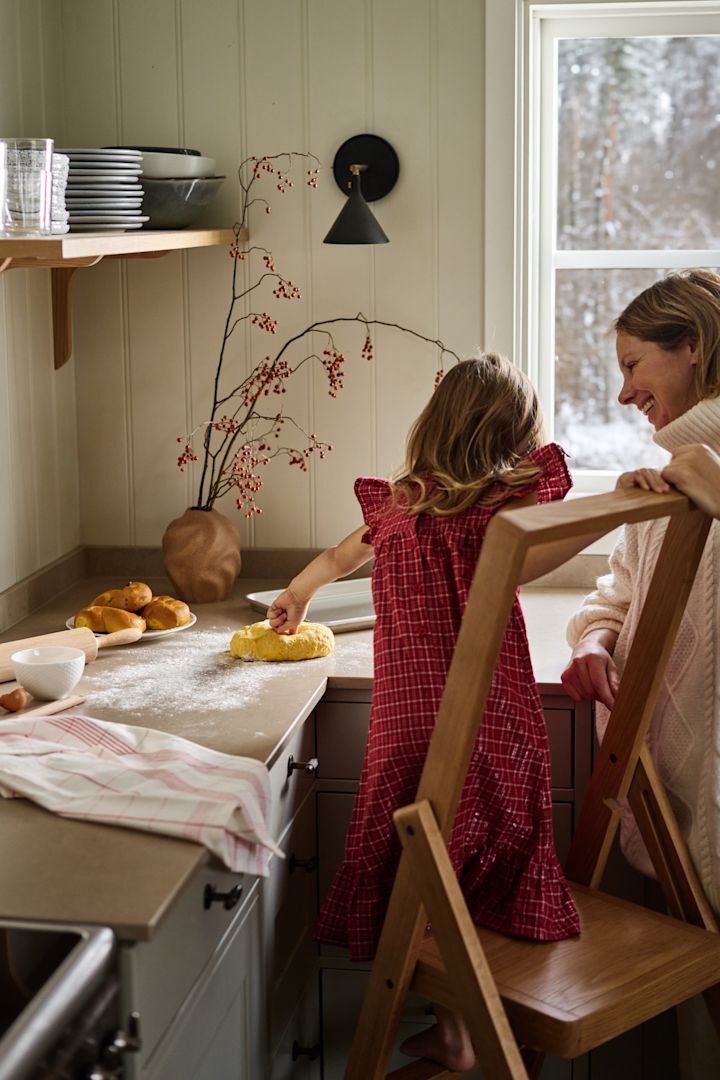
pixel 668 348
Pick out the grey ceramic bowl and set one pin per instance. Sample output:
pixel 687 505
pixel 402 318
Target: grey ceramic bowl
pixel 175 204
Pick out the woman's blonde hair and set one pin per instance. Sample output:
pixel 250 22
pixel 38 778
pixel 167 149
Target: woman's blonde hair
pixel 681 309
pixel 468 444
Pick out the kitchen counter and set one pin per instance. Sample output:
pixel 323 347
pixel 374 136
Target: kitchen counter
pixel 187 684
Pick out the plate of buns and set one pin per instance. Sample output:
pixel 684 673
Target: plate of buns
pixel 134 605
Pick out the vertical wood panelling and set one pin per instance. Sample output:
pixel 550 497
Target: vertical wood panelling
pixel 233 77
pixel 99 356
pixel 459 172
pixel 341 275
pixel 404 270
pixel 38 488
pixel 274 78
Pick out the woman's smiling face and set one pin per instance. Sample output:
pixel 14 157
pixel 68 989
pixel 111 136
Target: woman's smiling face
pixel 660 382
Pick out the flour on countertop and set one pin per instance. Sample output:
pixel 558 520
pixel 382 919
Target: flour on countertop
pixel 195 674
pixel 199 675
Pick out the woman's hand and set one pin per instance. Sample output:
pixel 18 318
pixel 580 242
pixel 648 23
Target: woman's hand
pixel 286 612
pixel 647 479
pixel 591 671
pixel 695 470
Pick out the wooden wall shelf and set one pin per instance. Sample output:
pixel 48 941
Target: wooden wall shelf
pixel 63 255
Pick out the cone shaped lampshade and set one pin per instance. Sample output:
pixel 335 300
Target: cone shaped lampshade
pixel 356 223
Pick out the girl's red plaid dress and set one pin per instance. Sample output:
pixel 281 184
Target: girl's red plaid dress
pixel 502 841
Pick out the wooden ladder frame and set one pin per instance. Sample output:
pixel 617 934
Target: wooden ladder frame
pixel 425 885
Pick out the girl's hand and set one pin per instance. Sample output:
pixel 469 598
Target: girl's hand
pixel 695 470
pixel 591 673
pixel 647 479
pixel 287 612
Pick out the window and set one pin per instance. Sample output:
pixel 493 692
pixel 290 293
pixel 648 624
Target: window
pixel 618 155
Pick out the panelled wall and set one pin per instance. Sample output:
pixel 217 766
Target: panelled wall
pixel 94 445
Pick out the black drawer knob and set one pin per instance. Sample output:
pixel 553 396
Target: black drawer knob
pixel 310 1052
pixel 308 865
pixel 227 899
pixel 310 767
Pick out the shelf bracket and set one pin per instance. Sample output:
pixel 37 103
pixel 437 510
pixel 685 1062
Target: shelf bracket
pixel 60 282
pixel 63 255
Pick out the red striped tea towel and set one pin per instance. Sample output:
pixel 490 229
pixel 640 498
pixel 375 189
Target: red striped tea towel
pixel 115 774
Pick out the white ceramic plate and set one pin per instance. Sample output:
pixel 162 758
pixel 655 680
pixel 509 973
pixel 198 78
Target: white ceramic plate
pixel 100 151
pixel 70 623
pixel 107 227
pixel 97 205
pixel 102 180
pixel 95 217
pixel 116 171
pixel 130 191
pixel 343 606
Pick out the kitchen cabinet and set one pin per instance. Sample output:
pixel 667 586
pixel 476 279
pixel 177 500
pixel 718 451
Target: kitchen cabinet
pixel 217 988
pixel 64 254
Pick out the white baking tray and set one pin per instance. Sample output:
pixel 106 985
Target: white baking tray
pixel 343 606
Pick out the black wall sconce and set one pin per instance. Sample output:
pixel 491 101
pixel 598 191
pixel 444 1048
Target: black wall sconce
pixel 368 166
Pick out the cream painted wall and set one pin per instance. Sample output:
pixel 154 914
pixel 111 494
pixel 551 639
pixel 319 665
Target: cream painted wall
pixel 39 488
pixel 235 77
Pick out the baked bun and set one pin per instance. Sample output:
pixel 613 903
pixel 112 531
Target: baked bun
pixel 102 619
pixel 259 641
pixel 131 597
pixel 165 612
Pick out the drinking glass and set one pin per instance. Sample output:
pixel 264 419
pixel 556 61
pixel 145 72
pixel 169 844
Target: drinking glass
pixel 28 197
pixel 3 184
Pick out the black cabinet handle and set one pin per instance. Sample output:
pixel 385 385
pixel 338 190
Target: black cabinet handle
pixel 310 767
pixel 310 1052
pixel 308 865
pixel 228 899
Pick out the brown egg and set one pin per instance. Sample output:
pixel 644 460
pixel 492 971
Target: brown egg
pixel 16 699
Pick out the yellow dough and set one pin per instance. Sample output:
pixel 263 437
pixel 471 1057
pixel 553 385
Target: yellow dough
pixel 258 641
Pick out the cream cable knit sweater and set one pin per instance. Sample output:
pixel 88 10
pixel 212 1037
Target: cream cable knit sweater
pixel 685 730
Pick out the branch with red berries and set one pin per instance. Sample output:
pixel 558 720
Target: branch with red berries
pixel 242 435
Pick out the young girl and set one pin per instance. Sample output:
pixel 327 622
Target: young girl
pixel 476 447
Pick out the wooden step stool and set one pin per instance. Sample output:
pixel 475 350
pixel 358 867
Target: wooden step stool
pixel 522 1000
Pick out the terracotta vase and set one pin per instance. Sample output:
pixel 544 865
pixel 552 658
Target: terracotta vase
pixel 201 551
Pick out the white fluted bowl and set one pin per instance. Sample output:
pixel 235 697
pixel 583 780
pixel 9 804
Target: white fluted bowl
pixel 48 671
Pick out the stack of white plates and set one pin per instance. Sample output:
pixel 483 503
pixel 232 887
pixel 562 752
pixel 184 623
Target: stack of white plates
pixel 103 193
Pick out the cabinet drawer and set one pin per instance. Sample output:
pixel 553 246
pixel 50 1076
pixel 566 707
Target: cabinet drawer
pixel 288 789
pixel 559 723
pixel 157 975
pixel 217 1034
pixel 289 912
pixel 334 812
pixel 562 815
pixel 342 729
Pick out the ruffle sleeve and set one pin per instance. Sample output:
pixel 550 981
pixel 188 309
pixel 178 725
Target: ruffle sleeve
pixel 555 480
pixel 373 494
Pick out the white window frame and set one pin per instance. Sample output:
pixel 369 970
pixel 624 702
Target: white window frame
pixel 520 198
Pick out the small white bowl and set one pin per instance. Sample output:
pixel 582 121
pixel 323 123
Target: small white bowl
pixel 174 166
pixel 49 671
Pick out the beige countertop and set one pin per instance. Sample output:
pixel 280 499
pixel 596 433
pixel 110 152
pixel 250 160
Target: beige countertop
pixel 187 684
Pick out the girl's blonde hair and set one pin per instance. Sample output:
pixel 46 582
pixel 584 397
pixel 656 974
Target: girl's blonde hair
pixel 468 444
pixel 681 308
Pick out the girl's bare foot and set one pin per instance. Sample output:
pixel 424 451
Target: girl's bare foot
pixel 447 1042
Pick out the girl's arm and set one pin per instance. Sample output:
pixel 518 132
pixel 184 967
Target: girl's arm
pixel 288 609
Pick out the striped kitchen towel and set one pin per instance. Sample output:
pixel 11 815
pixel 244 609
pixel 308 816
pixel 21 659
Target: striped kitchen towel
pixel 115 774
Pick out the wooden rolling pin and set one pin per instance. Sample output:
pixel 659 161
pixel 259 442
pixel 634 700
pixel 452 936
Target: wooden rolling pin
pixel 82 638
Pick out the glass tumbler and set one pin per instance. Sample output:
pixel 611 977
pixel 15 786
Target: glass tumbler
pixel 3 185
pixel 28 198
